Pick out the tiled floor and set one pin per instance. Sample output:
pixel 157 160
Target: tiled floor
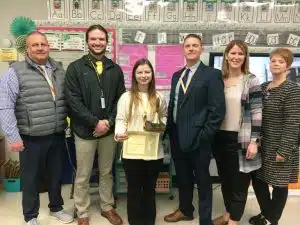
pixel 11 211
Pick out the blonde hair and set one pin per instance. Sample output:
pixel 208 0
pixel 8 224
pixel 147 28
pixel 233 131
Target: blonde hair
pixel 285 53
pixel 244 47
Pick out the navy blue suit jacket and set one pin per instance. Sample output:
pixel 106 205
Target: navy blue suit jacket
pixel 202 110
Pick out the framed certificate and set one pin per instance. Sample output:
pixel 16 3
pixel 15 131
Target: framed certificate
pixel 141 144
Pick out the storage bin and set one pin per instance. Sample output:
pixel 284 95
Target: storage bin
pixel 12 185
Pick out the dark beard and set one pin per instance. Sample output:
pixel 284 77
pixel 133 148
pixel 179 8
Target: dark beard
pixel 97 56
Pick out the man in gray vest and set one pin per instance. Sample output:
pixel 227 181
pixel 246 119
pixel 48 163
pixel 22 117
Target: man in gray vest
pixel 33 115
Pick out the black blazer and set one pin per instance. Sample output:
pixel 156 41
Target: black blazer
pixel 202 109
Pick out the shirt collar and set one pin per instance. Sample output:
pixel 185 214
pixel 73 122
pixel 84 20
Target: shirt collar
pixel 194 67
pixel 33 63
pixel 48 65
pixel 93 59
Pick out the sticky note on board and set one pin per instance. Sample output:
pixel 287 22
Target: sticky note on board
pixel 251 38
pixel 140 37
pixel 162 38
pixel 293 40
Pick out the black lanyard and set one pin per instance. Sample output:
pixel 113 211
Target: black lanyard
pixel 99 81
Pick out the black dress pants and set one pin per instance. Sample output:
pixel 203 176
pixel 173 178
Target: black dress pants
pixel 191 168
pixel 41 157
pixel 271 204
pixel 141 178
pixel 234 184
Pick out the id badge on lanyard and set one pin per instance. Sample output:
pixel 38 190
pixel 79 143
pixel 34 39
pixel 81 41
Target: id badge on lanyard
pixel 102 100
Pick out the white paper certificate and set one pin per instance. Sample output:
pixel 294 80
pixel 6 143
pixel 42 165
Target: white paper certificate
pixel 141 145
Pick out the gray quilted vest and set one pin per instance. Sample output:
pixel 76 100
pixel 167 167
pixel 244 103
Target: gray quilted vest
pixel 36 112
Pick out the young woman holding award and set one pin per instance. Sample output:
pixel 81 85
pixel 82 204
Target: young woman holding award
pixel 141 117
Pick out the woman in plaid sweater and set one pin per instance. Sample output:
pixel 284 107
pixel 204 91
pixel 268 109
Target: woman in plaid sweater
pixel 236 144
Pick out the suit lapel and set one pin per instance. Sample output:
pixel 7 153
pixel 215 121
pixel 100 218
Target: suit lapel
pixel 178 74
pixel 174 83
pixel 193 81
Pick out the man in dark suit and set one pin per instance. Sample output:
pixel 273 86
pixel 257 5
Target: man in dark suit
pixel 196 110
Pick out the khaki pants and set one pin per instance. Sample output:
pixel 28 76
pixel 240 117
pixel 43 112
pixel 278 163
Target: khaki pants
pixel 85 153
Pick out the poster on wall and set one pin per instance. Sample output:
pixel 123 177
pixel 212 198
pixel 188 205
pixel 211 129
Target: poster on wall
pixel 73 39
pixel 168 59
pixel 114 10
pixel 95 10
pixel 209 10
pixel 54 40
pixel 264 11
pixel 152 11
pixel 8 55
pixel 227 11
pixel 171 11
pixel 77 9
pixel 57 9
pixel 128 54
pixel 191 10
pixel 246 11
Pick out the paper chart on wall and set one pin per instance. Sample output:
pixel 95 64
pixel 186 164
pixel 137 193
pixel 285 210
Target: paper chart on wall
pixel 73 39
pixel 209 10
pixel 77 9
pixel 114 10
pixel 54 40
pixel 191 10
pixel 57 9
pixel 227 11
pixel 171 11
pixel 96 10
pixel 264 11
pixel 283 11
pixel 246 11
pixel 73 42
pixel 128 55
pixel 168 59
pixel 134 10
pixel 152 11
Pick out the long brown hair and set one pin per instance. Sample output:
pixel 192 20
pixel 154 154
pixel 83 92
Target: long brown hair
pixel 244 47
pixel 134 91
